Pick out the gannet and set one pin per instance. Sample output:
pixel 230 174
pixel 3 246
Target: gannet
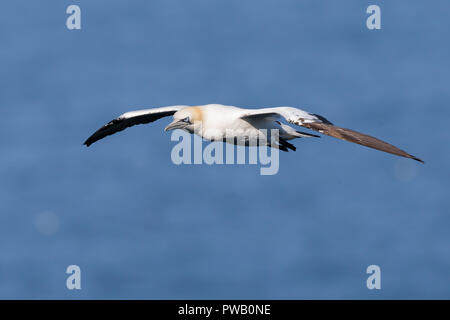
pixel 217 122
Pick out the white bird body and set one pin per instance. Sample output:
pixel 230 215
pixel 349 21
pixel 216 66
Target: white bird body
pixel 217 122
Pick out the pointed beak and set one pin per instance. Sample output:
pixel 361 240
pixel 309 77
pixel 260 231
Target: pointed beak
pixel 176 124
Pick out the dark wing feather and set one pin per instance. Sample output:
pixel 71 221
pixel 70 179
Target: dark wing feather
pixel 122 123
pixel 356 137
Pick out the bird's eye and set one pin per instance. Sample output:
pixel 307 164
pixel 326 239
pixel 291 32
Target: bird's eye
pixel 186 120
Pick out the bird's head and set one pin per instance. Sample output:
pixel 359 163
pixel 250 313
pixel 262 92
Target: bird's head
pixel 186 119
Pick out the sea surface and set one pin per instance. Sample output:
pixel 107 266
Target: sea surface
pixel 141 227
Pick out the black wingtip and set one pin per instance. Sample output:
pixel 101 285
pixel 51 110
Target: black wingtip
pixel 89 141
pixel 86 143
pixel 322 118
pixel 417 159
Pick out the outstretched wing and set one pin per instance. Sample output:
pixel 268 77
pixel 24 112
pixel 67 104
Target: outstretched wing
pixel 320 124
pixel 130 119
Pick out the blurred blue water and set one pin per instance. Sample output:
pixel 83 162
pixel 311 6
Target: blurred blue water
pixel 141 227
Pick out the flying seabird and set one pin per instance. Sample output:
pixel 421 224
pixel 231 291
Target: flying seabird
pixel 217 122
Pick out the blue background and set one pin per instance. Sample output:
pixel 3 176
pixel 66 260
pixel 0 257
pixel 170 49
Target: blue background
pixel 141 227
